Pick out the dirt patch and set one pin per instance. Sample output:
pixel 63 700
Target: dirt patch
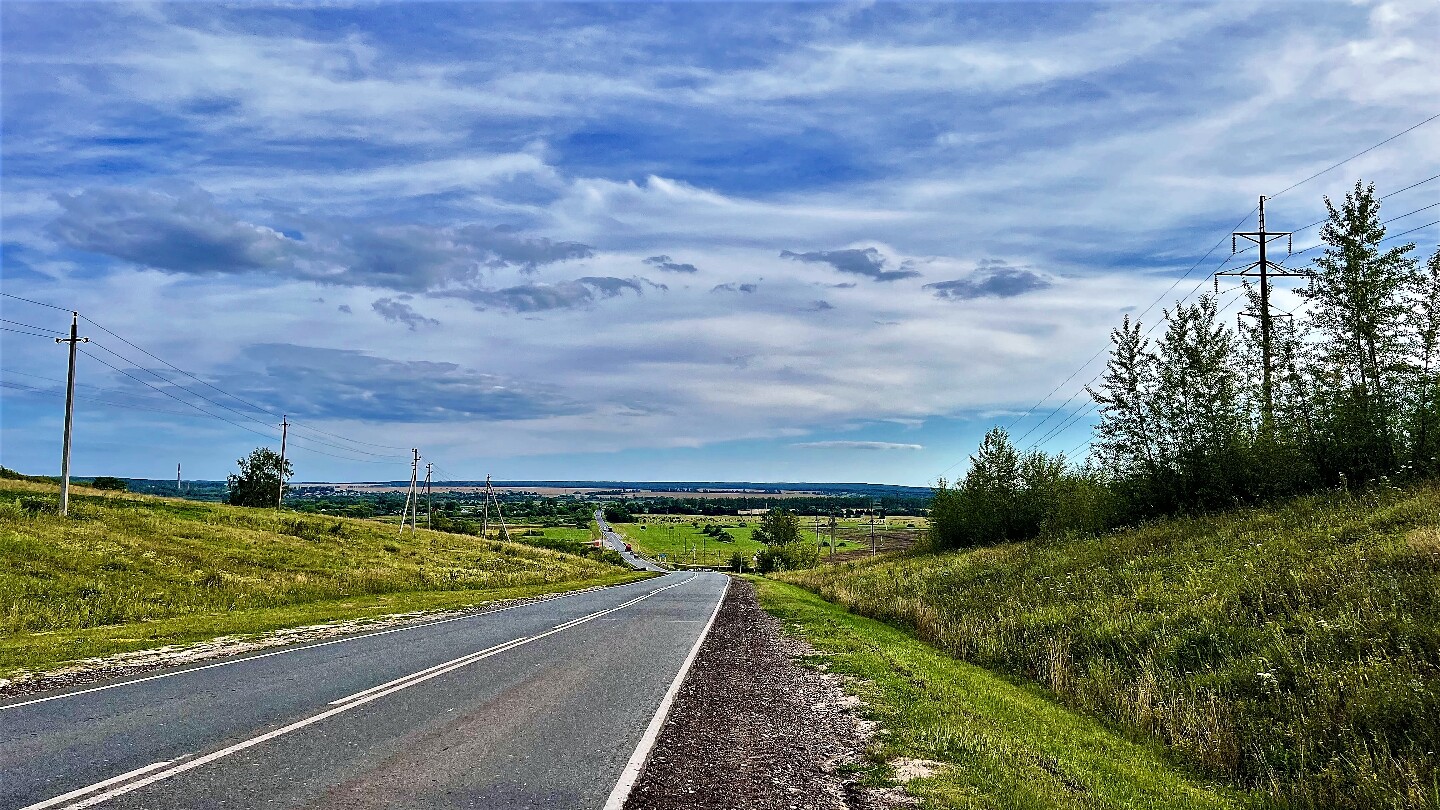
pixel 89 671
pixel 751 728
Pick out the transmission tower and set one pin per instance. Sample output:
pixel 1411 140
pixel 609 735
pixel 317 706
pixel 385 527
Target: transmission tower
pixel 1264 269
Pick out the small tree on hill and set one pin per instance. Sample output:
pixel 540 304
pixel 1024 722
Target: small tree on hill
pixel 259 479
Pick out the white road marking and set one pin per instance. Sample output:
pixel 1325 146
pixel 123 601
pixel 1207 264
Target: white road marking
pixel 288 650
pixel 631 774
pixel 417 678
pixel 65 797
pixel 404 678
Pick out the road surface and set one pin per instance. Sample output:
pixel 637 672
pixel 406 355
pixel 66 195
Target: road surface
pixel 616 542
pixel 545 705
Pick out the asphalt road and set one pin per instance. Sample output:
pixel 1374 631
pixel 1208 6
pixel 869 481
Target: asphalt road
pixel 614 541
pixel 540 705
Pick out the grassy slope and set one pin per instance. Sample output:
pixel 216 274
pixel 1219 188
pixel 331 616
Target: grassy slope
pixel 1294 650
pixel 1008 747
pixel 127 572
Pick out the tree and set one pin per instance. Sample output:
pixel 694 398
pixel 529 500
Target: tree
pixel 1196 409
pixel 1125 438
pixel 109 482
pixel 1425 389
pixel 258 482
pixel 779 527
pixel 1360 302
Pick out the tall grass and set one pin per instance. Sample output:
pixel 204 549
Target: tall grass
pixel 1293 650
pixel 126 559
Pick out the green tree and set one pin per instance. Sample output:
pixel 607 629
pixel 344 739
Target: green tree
pixel 1125 446
pixel 1196 408
pixel 779 527
pixel 259 479
pixel 109 482
pixel 1360 299
pixel 1425 389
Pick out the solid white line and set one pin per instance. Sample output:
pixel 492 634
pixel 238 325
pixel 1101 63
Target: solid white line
pixel 449 666
pixel 289 650
pixel 631 774
pixel 64 797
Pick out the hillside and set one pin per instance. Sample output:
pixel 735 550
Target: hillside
pixel 127 572
pixel 1291 651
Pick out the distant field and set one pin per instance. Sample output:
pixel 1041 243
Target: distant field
pixel 682 539
pixel 128 572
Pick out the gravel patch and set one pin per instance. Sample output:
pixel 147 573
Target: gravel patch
pixel 751 729
pixel 89 671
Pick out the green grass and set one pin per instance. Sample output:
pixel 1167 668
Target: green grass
pixel 1293 651
pixel 1005 746
pixel 129 572
pixel 685 542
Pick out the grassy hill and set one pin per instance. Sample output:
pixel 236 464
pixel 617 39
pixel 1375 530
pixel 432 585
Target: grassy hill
pixel 127 572
pixel 1291 651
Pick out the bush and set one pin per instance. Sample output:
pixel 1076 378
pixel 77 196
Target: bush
pixel 110 483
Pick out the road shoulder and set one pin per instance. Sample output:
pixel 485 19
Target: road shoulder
pixel 751 727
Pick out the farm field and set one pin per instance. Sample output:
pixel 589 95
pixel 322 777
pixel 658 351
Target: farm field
pixel 128 572
pixel 1291 651
pixel 682 538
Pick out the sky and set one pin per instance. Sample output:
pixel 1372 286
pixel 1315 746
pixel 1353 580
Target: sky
pixel 814 242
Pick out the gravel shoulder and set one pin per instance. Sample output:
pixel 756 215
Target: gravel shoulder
pixel 751 728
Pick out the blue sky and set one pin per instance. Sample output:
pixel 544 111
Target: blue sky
pixel 693 241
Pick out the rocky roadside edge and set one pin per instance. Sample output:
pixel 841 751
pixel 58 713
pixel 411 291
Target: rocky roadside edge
pixel 88 671
pixel 751 728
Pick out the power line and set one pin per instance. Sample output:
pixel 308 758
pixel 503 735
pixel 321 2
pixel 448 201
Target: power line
pixel 23 332
pixel 37 303
pixel 30 326
pixel 1356 155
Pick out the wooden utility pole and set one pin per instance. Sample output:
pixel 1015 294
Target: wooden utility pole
pixel 1265 270
pixel 73 340
pixel 872 528
pixel 832 535
pixel 410 494
pixel 428 468
pixel 284 432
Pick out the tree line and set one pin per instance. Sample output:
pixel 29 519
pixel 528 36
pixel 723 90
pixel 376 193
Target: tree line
pixel 1187 422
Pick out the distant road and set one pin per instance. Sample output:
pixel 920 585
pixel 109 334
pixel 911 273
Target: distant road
pixel 616 542
pixel 535 706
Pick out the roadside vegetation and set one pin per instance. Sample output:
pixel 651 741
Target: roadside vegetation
pixel 128 572
pixel 1189 421
pixel 999 745
pixel 1293 651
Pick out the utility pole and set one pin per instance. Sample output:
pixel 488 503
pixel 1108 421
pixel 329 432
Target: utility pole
pixel 428 468
pixel 73 340
pixel 284 432
pixel 410 494
pixel 179 490
pixel 485 512
pixel 872 528
pixel 1265 270
pixel 832 535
